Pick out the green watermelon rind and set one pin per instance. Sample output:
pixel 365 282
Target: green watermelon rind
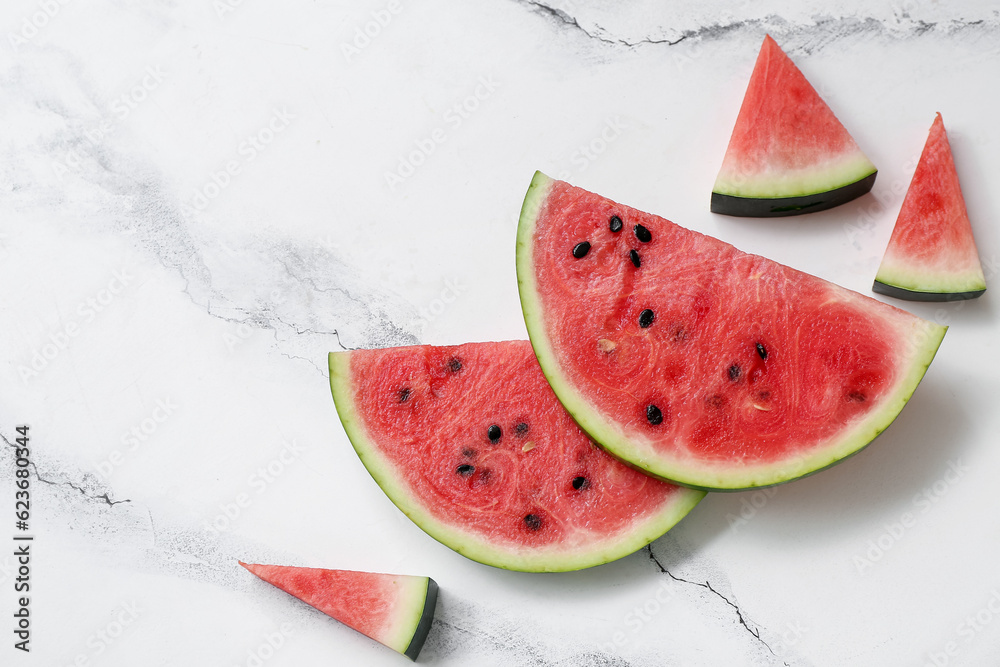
pixel 420 629
pixel 785 205
pixel 917 285
pixel 924 346
pixel 414 608
pixel 841 172
pixel 468 544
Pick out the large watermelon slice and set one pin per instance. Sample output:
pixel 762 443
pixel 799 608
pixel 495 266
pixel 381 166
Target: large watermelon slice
pixel 788 153
pixel 470 442
pixel 699 363
pixel 932 254
pixel 393 609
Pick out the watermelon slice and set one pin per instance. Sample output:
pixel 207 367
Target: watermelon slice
pixel 932 255
pixel 393 609
pixel 696 362
pixel 470 442
pixel 788 153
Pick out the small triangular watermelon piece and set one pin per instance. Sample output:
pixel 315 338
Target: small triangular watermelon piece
pixel 932 254
pixel 788 153
pixel 393 609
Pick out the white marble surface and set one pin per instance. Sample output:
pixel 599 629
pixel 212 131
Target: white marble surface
pixel 166 322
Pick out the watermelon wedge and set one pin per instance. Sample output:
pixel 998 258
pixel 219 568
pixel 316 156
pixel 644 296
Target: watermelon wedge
pixel 696 362
pixel 470 443
pixel 932 254
pixel 788 153
pixel 393 609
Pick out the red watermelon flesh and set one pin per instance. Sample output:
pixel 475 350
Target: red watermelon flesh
pixel 470 442
pixel 394 610
pixel 788 153
pixel 699 363
pixel 932 254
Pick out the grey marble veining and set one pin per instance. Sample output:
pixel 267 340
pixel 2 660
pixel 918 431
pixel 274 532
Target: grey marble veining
pixel 199 200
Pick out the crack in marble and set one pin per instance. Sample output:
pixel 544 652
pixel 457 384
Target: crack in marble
pixel 152 527
pixel 555 12
pixel 501 635
pixel 480 635
pixel 309 361
pixel 299 332
pixel 771 22
pixel 712 30
pixel 546 10
pixel 163 229
pixel 266 318
pixel 312 283
pixel 160 227
pixel 754 632
pixel 103 496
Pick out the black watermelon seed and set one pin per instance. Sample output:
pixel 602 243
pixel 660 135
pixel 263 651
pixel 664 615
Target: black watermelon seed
pixel 761 351
pixel 735 372
pixel 532 521
pixel 455 365
pixel 616 224
pixel 581 249
pixel 494 433
pixel 580 483
pixel 642 234
pixel 634 256
pixel 521 429
pixel 856 397
pixel 653 415
pixel 465 470
pixel 646 318
pixel 404 395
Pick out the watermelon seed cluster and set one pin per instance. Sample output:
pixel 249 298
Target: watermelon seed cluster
pixel 533 521
pixel 581 249
pixel 475 477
